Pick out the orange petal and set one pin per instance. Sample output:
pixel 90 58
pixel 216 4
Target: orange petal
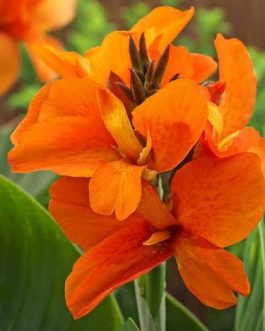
pixel 117 122
pixel 69 205
pixel 43 70
pixel 65 64
pixel 236 70
pixel 260 151
pixel 112 55
pixel 33 113
pixel 69 146
pixel 153 210
pixel 50 14
pixel 78 100
pixel 9 63
pixel 167 22
pixel 203 67
pixel 115 261
pixel 188 65
pixel 116 187
pixel 210 273
pixel 175 117
pixel 221 200
pixel 241 141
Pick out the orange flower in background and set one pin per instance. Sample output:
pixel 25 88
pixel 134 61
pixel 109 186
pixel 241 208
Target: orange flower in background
pixel 203 220
pixel 232 103
pixel 124 134
pixel 28 21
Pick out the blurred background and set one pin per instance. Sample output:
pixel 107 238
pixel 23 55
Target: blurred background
pixel 95 18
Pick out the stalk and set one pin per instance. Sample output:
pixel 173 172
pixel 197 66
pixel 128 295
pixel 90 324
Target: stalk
pixel 151 296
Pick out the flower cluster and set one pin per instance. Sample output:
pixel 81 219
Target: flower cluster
pixel 120 117
pixel 28 21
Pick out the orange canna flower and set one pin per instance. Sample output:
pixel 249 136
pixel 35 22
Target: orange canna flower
pixel 91 124
pixel 232 101
pixel 202 221
pixel 28 21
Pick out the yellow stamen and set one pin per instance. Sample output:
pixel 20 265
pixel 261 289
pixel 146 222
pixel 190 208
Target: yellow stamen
pixel 157 238
pixel 215 118
pixel 224 144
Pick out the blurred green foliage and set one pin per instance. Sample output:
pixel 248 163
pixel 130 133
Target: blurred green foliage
pixel 89 27
pixel 132 14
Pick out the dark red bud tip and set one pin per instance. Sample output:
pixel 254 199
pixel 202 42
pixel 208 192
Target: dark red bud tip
pixel 125 89
pixel 143 51
pixel 161 66
pixel 134 55
pixel 176 76
pixel 149 76
pixel 137 88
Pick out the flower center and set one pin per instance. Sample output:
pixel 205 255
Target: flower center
pixel 146 75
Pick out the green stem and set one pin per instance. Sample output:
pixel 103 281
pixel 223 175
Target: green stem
pixel 150 294
pixel 150 297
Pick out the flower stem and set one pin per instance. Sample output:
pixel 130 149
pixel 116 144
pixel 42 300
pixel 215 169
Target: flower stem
pixel 150 293
pixel 150 297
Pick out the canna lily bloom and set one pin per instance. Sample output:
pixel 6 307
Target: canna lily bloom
pixel 214 204
pixel 93 123
pixel 232 101
pixel 81 135
pixel 28 21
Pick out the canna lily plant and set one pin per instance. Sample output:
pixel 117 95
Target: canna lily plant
pixel 132 118
pixel 27 21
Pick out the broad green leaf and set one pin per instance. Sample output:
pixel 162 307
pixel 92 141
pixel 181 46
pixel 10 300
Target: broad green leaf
pixel 250 312
pixel 35 259
pixel 130 326
pixel 180 318
pixel 36 184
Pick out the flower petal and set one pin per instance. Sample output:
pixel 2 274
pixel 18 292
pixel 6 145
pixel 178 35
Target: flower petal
pixel 237 71
pixel 69 146
pixel 175 117
pixel 167 23
pixel 210 273
pixel 112 55
pixel 260 151
pixel 65 64
pixel 115 261
pixel 153 210
pixel 193 66
pixel 9 63
pixel 116 120
pixel 78 100
pixel 221 200
pixel 238 142
pixel 203 67
pixel 44 72
pixel 64 134
pixel 116 187
pixel 70 207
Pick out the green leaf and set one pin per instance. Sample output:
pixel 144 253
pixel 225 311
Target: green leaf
pixel 130 326
pixel 37 184
pixel 180 318
pixel 35 259
pixel 250 311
